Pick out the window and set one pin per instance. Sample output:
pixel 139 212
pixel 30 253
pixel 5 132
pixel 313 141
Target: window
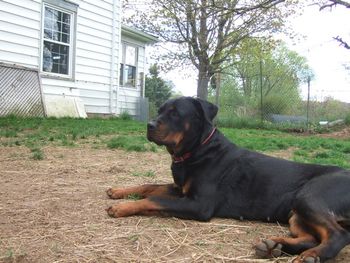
pixel 57 47
pixel 127 74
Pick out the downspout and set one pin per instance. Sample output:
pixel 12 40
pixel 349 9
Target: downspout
pixel 120 46
pixel 113 53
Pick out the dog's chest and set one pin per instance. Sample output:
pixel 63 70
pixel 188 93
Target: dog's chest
pixel 180 178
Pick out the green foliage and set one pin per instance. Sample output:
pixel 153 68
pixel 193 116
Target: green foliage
pixel 329 110
pixel 263 80
pixel 276 104
pixel 203 33
pixel 238 122
pixel 347 119
pixel 157 90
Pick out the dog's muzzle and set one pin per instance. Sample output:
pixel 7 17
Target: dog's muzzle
pixel 151 130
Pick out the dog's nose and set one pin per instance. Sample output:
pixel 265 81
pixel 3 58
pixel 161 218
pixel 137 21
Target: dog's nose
pixel 151 125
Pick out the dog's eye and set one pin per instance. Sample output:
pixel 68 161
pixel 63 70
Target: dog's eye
pixel 174 113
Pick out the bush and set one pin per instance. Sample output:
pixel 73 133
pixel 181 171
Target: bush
pixel 347 119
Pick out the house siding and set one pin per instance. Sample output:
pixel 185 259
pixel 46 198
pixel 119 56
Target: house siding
pixel 128 98
pixel 20 32
pixel 20 44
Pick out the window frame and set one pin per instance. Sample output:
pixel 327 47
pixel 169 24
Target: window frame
pixel 122 65
pixel 71 45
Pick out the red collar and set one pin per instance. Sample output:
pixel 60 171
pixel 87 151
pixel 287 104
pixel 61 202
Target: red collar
pixel 189 154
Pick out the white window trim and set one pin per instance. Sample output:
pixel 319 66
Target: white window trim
pixel 122 61
pixel 71 42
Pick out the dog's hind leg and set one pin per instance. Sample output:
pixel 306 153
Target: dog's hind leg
pixel 299 241
pixel 332 237
pixel 324 205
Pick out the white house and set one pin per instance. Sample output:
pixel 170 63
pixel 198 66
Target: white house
pixel 85 59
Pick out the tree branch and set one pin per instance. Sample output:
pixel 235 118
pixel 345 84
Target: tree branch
pixel 342 42
pixel 334 3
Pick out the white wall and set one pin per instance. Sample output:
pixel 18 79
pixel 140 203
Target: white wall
pixel 20 32
pixel 20 42
pixel 128 98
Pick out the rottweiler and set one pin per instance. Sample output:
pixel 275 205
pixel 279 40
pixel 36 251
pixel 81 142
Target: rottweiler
pixel 216 178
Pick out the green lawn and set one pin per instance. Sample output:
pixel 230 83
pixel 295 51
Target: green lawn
pixel 35 133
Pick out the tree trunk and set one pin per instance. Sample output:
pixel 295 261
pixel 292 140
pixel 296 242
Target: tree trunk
pixel 202 86
pixel 217 89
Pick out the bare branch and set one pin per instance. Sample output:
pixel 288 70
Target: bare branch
pixel 334 3
pixel 342 42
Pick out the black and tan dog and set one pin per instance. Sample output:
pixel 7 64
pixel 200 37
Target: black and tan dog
pixel 215 178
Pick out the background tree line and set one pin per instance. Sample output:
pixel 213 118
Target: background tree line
pixel 230 45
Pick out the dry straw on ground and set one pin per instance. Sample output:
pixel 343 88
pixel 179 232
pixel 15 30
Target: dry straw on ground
pixel 53 211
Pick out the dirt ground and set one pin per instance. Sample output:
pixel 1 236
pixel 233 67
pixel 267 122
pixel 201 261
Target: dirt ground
pixel 53 211
pixel 343 133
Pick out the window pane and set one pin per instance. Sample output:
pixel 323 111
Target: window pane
pixel 130 72
pixel 50 24
pixel 130 55
pixel 56 25
pixel 55 58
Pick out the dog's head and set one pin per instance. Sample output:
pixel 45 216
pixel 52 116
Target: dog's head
pixel 181 122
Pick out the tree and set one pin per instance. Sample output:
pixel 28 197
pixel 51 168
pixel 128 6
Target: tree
pixel 264 72
pixel 207 31
pixel 157 90
pixel 330 4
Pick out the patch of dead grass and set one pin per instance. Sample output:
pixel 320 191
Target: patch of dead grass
pixel 52 210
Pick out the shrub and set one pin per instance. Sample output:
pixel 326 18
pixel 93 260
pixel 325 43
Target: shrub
pixel 125 116
pixel 347 119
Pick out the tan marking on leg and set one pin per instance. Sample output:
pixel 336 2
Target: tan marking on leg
pixel 142 190
pixel 144 206
pixel 186 187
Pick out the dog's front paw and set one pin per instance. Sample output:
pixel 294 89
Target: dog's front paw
pixel 115 193
pixel 112 211
pixel 121 209
pixel 268 249
pixel 307 259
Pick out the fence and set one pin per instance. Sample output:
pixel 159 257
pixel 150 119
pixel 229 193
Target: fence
pixel 20 92
pixel 263 101
pixel 143 110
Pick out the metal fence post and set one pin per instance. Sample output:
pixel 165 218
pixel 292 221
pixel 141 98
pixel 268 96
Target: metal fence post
pixel 308 103
pixel 261 94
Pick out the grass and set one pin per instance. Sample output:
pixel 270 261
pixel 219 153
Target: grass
pixel 134 197
pixel 38 154
pixel 131 143
pixel 149 174
pixel 309 149
pixel 129 135
pixel 37 132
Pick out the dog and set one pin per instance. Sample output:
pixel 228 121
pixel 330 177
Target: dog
pixel 215 178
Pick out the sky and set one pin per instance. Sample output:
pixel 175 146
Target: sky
pixel 325 56
pixel 315 30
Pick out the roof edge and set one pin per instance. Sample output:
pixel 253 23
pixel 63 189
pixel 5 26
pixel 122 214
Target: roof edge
pixel 138 34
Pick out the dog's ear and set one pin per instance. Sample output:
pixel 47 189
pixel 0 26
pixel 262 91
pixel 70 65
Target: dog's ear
pixel 208 109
